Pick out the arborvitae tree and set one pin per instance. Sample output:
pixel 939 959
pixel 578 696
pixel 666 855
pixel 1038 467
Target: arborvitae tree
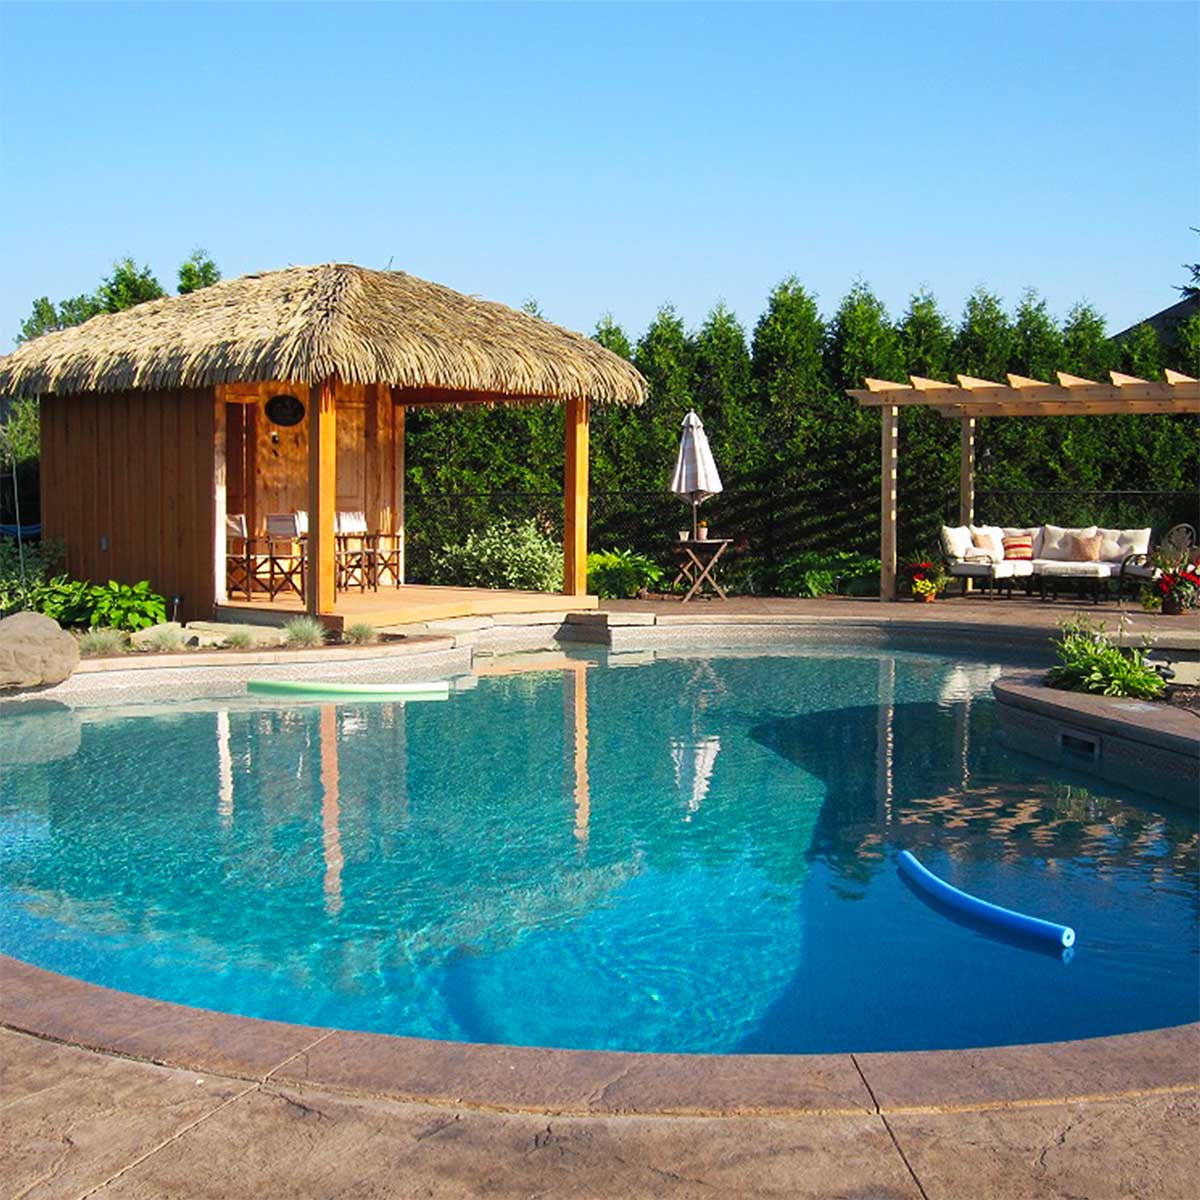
pixel 1017 455
pixel 983 344
pixel 1037 343
pixel 789 370
pixel 664 357
pixel 1184 352
pixel 197 271
pixel 862 343
pixel 928 472
pixel 1141 352
pixel 612 337
pixel 723 394
pixel 1087 351
pixel 927 339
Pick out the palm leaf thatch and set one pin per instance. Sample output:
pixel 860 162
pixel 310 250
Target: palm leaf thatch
pixel 308 324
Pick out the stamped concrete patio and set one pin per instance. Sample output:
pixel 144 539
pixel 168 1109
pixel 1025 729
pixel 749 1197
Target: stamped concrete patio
pixel 77 1123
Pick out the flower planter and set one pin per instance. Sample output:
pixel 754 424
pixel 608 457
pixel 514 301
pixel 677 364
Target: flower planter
pixel 1171 606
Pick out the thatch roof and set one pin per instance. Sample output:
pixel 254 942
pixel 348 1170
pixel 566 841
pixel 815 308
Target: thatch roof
pixel 306 324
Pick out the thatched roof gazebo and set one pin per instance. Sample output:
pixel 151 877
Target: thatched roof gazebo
pixel 154 421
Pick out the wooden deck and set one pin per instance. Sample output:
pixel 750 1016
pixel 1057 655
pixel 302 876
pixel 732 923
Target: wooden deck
pixel 406 605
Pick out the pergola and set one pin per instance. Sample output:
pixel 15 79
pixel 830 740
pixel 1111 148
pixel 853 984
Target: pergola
pixel 972 398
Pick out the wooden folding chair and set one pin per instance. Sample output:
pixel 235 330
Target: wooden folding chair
pixel 239 556
pixel 354 553
pixel 283 566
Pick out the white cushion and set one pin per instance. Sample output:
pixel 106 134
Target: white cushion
pixel 1056 543
pixel 1033 532
pixel 989 538
pixel 1005 569
pixel 1076 570
pixel 956 541
pixel 1118 544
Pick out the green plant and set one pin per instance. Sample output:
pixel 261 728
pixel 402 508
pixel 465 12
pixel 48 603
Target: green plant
pixel 361 634
pixel 126 606
pixel 68 601
pixel 41 561
pixel 926 569
pixel 834 572
pixel 163 641
pixel 1090 661
pixel 102 640
pixel 238 639
pixel 303 632
pixel 621 574
pixel 504 554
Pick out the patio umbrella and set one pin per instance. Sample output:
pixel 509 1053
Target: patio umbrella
pixel 695 477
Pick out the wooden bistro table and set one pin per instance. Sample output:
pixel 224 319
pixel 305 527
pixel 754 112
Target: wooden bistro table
pixel 698 558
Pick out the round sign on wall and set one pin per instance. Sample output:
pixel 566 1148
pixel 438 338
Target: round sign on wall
pixel 285 410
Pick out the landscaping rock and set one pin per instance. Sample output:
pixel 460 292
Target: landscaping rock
pixel 212 634
pixel 35 652
pixel 146 639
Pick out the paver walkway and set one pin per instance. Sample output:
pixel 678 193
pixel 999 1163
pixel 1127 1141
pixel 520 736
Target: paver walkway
pixel 75 1123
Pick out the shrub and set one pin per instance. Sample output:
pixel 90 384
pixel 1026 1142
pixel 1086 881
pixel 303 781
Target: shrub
pixel 839 572
pixel 68 601
pixel 127 606
pixel 303 632
pixel 42 560
pixel 621 574
pixel 361 634
pixel 1089 661
pixel 238 639
pixel 102 640
pixel 504 554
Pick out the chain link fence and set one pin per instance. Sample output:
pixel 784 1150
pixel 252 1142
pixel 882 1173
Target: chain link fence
pixel 769 528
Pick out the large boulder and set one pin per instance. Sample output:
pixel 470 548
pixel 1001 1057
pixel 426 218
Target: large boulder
pixel 35 652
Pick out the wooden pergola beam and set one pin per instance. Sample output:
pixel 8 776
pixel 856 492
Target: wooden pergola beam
pixel 971 392
pixel 1068 408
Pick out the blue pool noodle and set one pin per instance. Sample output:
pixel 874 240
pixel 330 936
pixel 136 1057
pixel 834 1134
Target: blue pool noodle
pixel 981 910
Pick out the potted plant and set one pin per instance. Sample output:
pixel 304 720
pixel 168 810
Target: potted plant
pixel 1178 590
pixel 702 531
pixel 926 579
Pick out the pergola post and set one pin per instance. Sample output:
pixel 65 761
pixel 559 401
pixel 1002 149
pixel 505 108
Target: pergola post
pixel 575 500
pixel 889 444
pixel 320 591
pixel 966 471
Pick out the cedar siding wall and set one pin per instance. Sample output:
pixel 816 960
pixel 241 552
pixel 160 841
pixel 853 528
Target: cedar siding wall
pixel 268 464
pixel 134 471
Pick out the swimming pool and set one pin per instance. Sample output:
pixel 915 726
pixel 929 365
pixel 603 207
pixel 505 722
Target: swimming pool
pixel 691 853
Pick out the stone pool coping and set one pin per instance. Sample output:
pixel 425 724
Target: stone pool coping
pixel 584 1082
pixel 589 1082
pixel 1157 725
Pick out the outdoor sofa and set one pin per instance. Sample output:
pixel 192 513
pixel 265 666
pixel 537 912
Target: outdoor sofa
pixel 1045 555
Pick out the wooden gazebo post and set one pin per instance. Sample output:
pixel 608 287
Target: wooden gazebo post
pixel 575 500
pixel 320 593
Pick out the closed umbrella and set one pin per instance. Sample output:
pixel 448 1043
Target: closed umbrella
pixel 696 476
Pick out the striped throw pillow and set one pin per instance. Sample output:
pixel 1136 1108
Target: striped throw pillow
pixel 1019 546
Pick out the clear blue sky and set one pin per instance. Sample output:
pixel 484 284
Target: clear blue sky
pixel 609 157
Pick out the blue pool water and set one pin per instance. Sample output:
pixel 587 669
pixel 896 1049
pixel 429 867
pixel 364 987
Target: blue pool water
pixel 689 853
